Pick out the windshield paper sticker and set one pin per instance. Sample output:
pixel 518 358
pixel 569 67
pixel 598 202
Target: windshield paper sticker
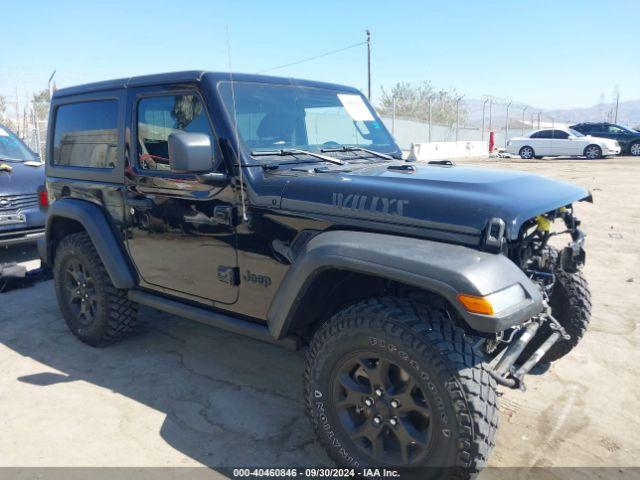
pixel 355 107
pixel 3 132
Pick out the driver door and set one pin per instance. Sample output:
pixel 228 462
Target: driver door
pixel 181 235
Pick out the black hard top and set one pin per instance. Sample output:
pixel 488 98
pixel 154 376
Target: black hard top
pixel 190 76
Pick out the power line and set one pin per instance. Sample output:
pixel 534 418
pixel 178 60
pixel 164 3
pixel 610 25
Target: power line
pixel 326 54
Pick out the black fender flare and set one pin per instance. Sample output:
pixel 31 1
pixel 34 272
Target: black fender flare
pixel 95 223
pixel 444 269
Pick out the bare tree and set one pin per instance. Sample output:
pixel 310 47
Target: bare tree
pixel 7 122
pixel 412 101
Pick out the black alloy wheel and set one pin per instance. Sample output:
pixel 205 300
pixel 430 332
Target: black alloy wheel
pixel 382 409
pixel 80 292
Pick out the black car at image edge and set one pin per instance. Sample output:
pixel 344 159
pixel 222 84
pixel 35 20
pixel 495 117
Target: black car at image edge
pixel 22 216
pixel 628 138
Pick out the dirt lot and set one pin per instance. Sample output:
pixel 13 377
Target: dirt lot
pixel 178 393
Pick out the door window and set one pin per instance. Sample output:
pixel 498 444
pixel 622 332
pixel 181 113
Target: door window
pixel 559 134
pixel 158 117
pixel 616 130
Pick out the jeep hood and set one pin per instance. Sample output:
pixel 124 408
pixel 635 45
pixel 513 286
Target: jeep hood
pixel 452 200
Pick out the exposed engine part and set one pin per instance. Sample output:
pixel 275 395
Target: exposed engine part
pixel 531 252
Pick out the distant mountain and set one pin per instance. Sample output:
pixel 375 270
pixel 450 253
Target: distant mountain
pixel 628 113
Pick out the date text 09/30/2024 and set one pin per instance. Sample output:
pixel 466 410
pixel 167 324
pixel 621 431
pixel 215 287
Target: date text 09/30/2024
pixel 316 472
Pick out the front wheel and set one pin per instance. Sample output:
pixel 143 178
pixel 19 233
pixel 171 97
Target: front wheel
pixel 527 153
pixel 392 383
pixel 592 152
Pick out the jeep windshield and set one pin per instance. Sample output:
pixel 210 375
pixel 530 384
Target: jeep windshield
pixel 276 118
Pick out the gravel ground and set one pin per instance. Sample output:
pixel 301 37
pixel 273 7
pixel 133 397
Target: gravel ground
pixel 177 393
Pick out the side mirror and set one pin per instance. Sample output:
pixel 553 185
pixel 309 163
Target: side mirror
pixel 190 152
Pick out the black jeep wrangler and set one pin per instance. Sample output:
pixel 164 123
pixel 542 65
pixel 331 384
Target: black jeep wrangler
pixel 282 209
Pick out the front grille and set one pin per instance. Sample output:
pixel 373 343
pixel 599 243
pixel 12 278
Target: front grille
pixel 13 203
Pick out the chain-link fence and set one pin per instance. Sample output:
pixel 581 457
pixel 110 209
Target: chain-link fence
pixel 28 119
pixel 503 119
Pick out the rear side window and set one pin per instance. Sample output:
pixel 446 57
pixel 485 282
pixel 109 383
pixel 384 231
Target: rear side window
pixel 86 134
pixel 542 134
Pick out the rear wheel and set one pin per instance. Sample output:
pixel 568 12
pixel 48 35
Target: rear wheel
pixel 592 152
pixel 526 152
pixel 95 311
pixel 634 149
pixel 393 383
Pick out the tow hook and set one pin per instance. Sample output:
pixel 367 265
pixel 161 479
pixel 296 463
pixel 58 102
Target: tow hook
pixel 506 372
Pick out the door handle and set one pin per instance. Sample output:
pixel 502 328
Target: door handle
pixel 141 203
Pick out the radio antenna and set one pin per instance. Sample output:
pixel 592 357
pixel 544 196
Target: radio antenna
pixel 237 134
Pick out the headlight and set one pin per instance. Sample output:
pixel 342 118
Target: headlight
pixel 508 142
pixel 496 302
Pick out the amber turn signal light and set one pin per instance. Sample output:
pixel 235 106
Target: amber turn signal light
pixel 475 304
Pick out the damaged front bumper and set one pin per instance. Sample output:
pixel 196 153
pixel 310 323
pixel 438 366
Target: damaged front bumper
pixel 505 371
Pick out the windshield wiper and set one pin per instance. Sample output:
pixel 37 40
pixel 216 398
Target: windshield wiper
pixel 358 149
pixel 9 159
pixel 295 151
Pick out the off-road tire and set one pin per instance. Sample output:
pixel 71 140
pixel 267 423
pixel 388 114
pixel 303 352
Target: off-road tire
pixel 423 341
pixel 570 303
pixel 114 313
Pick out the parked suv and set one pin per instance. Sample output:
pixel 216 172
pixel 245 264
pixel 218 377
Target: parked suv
pixel 628 139
pixel 281 209
pixel 21 175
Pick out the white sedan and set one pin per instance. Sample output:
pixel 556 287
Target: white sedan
pixel 561 142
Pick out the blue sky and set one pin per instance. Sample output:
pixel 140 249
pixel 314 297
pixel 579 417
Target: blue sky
pixel 550 54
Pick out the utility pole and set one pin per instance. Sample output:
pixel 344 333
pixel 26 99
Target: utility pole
pixel 539 113
pixel 51 84
pixel 617 102
pixel 458 115
pixel 490 114
pixel 393 118
pixel 369 65
pixel 17 114
pixel 524 109
pixel 429 98
pixel 483 106
pixel 506 130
